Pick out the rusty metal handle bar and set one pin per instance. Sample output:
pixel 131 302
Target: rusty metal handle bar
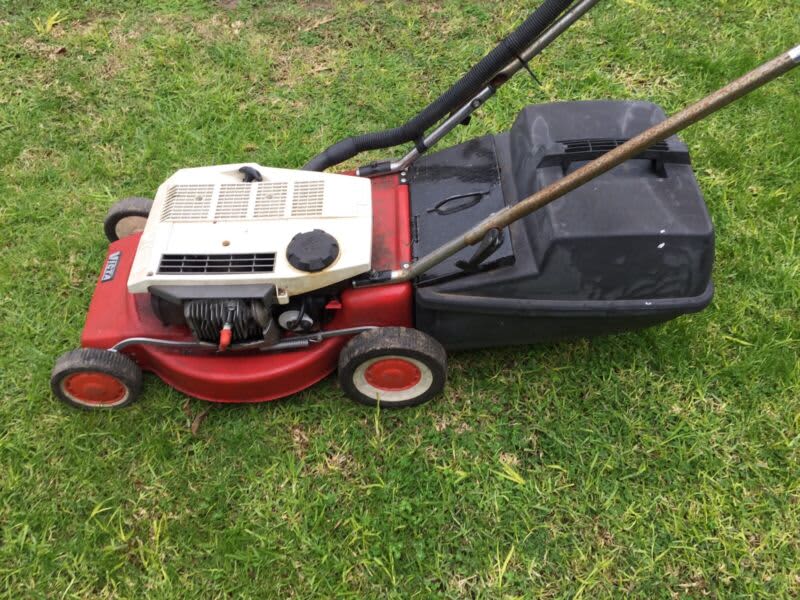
pixel 635 146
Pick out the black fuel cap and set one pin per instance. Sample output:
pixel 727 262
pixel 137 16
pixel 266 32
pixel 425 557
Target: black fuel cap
pixel 312 251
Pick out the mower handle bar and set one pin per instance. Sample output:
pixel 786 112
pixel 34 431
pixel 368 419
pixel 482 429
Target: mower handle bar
pixel 462 114
pixel 460 94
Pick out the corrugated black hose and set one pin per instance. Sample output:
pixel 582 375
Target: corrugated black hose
pixel 467 87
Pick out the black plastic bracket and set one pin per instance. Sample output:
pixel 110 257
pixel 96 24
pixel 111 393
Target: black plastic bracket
pixel 488 246
pixel 251 174
pixel 374 169
pixel 179 293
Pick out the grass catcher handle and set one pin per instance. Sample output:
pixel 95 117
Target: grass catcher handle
pixel 567 152
pixel 630 149
pixel 469 85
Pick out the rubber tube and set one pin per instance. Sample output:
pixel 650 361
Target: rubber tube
pixel 466 87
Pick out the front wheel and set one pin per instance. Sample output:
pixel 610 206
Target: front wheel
pixel 392 367
pixel 94 379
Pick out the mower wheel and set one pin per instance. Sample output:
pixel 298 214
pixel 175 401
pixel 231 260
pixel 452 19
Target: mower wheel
pixel 392 367
pixel 126 217
pixel 95 379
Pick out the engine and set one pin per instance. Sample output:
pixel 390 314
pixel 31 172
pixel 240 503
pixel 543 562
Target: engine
pixel 258 321
pixel 241 253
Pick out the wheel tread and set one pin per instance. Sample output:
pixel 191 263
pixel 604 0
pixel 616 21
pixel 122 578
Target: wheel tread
pixel 95 359
pixel 375 342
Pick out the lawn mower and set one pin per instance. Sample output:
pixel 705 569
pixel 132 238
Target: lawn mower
pixel 245 283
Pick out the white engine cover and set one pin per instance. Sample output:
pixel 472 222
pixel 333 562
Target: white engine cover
pixel 207 227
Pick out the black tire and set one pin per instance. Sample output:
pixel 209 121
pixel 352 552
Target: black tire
pixel 126 217
pixel 392 367
pixel 93 379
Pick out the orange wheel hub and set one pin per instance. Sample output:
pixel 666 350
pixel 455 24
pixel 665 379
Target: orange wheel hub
pixel 393 374
pixel 93 387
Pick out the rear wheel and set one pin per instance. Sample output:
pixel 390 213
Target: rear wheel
pixel 126 217
pixel 392 367
pixel 94 379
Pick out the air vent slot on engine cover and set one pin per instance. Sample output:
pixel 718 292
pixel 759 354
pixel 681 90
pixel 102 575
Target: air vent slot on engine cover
pixel 271 200
pixel 307 200
pixel 187 203
pixel 233 201
pixel 243 201
pixel 216 264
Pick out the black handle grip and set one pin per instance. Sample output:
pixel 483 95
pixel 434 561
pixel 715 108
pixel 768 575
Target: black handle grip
pixel 567 152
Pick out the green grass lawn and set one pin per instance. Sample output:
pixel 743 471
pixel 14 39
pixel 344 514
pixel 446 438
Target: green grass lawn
pixel 661 463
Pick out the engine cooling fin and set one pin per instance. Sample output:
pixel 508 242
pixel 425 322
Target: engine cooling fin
pixel 206 318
